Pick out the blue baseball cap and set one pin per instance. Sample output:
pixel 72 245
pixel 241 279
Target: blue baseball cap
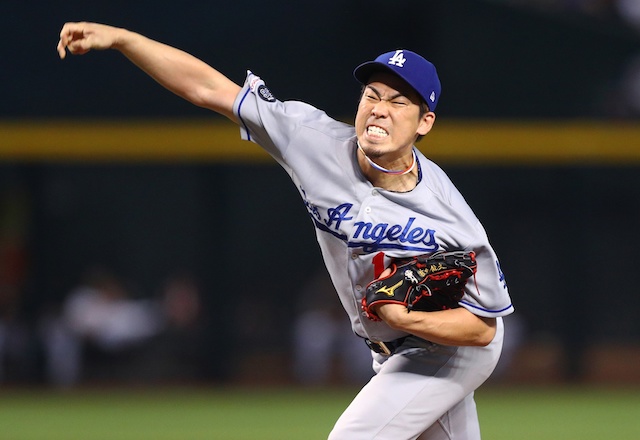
pixel 411 67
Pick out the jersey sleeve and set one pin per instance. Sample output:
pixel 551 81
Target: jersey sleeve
pixel 269 122
pixel 487 293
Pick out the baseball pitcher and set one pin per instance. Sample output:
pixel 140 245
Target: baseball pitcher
pixel 411 263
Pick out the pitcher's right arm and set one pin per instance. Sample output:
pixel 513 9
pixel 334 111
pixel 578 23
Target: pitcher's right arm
pixel 176 70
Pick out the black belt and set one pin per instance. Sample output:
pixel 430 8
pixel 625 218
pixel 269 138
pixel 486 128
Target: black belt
pixel 385 348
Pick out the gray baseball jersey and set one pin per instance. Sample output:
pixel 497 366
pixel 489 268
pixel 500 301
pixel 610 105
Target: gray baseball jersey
pixel 360 229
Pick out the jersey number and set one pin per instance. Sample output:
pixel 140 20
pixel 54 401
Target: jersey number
pixel 378 265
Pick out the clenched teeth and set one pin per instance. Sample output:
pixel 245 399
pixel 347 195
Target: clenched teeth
pixel 377 131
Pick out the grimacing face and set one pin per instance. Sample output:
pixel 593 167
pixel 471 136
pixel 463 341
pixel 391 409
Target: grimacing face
pixel 389 117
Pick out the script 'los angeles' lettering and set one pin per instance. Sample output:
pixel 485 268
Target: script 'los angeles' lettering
pixel 405 234
pixel 370 236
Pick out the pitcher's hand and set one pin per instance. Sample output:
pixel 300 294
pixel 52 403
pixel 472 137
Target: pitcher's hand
pixel 80 38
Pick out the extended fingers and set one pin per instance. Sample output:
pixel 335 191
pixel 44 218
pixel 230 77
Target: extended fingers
pixel 62 53
pixel 71 33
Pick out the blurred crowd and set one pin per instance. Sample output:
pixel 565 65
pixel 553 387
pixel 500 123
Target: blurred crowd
pixel 101 332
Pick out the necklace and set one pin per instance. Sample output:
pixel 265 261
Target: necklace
pixel 384 170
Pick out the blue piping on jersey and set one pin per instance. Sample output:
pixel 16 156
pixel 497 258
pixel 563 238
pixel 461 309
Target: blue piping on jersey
pixel 486 310
pixel 419 171
pixel 244 125
pixel 372 247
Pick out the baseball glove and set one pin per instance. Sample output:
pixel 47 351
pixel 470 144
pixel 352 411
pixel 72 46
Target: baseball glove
pixel 422 283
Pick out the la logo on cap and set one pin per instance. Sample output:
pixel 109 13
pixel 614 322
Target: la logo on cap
pixel 397 59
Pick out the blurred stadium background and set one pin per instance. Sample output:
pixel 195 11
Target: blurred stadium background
pixel 135 229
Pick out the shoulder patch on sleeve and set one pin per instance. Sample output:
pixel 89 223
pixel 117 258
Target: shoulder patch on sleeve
pixel 257 86
pixel 265 94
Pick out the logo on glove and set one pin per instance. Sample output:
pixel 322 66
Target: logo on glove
pixel 390 291
pixel 410 276
pixel 434 283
